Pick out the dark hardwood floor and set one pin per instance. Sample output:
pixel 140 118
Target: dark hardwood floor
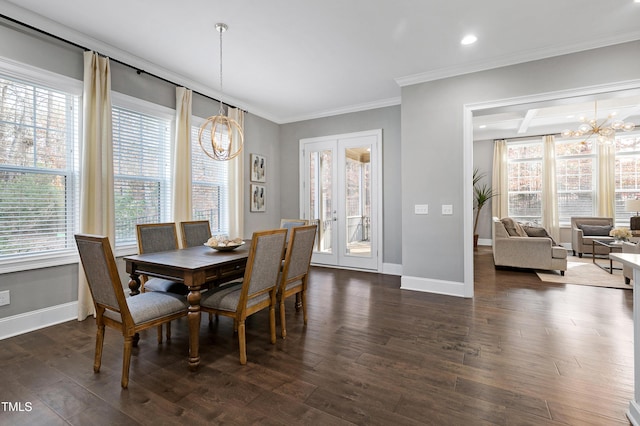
pixel 522 352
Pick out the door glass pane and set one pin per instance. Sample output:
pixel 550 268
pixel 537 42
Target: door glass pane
pixel 357 171
pixel 321 197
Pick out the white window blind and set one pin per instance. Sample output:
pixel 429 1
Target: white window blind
pixel 38 163
pixel 575 177
pixel 525 181
pixel 141 164
pixel 210 186
pixel 627 171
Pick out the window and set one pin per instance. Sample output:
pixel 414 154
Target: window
pixel 627 170
pixel 210 188
pixel 38 163
pixel 525 181
pixel 576 175
pixel 141 166
pixel 575 178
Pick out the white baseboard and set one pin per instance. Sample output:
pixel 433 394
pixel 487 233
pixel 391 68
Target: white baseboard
pixel 633 414
pixel 392 269
pixel 428 285
pixel 485 242
pixel 35 320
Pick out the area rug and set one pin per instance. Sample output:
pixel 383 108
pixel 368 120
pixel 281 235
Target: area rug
pixel 582 271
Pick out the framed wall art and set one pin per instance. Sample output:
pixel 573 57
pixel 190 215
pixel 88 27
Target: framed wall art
pixel 258 198
pixel 258 168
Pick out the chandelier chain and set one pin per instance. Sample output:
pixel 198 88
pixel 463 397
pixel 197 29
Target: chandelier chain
pixel 221 30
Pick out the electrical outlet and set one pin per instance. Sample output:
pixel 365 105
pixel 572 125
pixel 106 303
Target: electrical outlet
pixel 447 209
pixel 5 299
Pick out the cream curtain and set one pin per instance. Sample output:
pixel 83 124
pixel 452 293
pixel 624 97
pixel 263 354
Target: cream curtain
pixel 500 180
pixel 97 214
pixel 550 219
pixel 606 181
pixel 181 201
pixel 236 183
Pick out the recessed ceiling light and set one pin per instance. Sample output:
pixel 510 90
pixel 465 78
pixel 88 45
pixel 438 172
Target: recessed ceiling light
pixel 482 126
pixel 468 39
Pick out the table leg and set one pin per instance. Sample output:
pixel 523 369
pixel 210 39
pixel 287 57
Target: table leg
pixel 134 284
pixel 194 328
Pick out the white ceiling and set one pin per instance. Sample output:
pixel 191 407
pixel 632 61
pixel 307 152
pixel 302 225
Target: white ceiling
pixel 288 60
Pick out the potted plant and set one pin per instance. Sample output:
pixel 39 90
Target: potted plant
pixel 481 195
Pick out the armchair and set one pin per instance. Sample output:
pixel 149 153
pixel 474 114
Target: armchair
pixel 586 229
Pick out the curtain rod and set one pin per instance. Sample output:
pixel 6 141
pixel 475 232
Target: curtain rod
pixel 138 70
pixel 528 137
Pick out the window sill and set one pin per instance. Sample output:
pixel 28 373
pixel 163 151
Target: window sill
pixel 48 260
pixel 38 261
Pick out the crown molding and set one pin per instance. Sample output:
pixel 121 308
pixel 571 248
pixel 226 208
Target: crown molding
pixel 382 103
pixel 517 58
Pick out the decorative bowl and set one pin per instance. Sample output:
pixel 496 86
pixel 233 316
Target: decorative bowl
pixel 225 245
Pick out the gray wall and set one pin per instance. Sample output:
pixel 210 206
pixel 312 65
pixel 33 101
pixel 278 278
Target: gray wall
pixel 387 119
pixel 263 137
pixel 432 143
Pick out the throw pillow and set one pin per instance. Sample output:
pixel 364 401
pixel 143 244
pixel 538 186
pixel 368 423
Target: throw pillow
pixel 596 230
pixel 538 231
pixel 513 228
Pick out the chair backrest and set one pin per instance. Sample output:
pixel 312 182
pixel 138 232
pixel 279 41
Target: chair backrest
pixel 602 221
pixel 263 264
pixel 155 237
pixel 102 273
pixel 195 232
pixel 292 223
pixel 299 251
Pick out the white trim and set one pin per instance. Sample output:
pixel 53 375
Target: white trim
pixel 35 320
pixel 392 269
pixel 518 58
pixel 485 242
pixel 633 413
pixel 40 76
pixel 429 285
pixel 141 106
pixel 27 262
pixel 382 103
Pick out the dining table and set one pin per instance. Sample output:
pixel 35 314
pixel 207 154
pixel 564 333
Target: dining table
pixel 198 268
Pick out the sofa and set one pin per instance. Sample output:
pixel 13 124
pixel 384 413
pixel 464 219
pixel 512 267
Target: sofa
pixel 528 247
pixel 586 229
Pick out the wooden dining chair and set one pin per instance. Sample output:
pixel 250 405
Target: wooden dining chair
pixel 292 223
pixel 153 238
pixel 195 232
pixel 128 315
pixel 256 291
pixel 295 271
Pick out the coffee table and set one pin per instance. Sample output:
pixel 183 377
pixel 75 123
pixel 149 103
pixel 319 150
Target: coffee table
pixel 614 246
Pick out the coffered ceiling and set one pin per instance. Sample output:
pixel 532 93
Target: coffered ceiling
pixel 288 60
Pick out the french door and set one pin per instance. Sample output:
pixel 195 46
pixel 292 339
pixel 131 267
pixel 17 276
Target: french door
pixel 340 191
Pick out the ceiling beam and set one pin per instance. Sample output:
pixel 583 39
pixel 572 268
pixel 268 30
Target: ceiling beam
pixel 530 115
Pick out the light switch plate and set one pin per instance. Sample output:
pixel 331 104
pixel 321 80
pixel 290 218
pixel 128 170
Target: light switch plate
pixel 447 209
pixel 421 209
